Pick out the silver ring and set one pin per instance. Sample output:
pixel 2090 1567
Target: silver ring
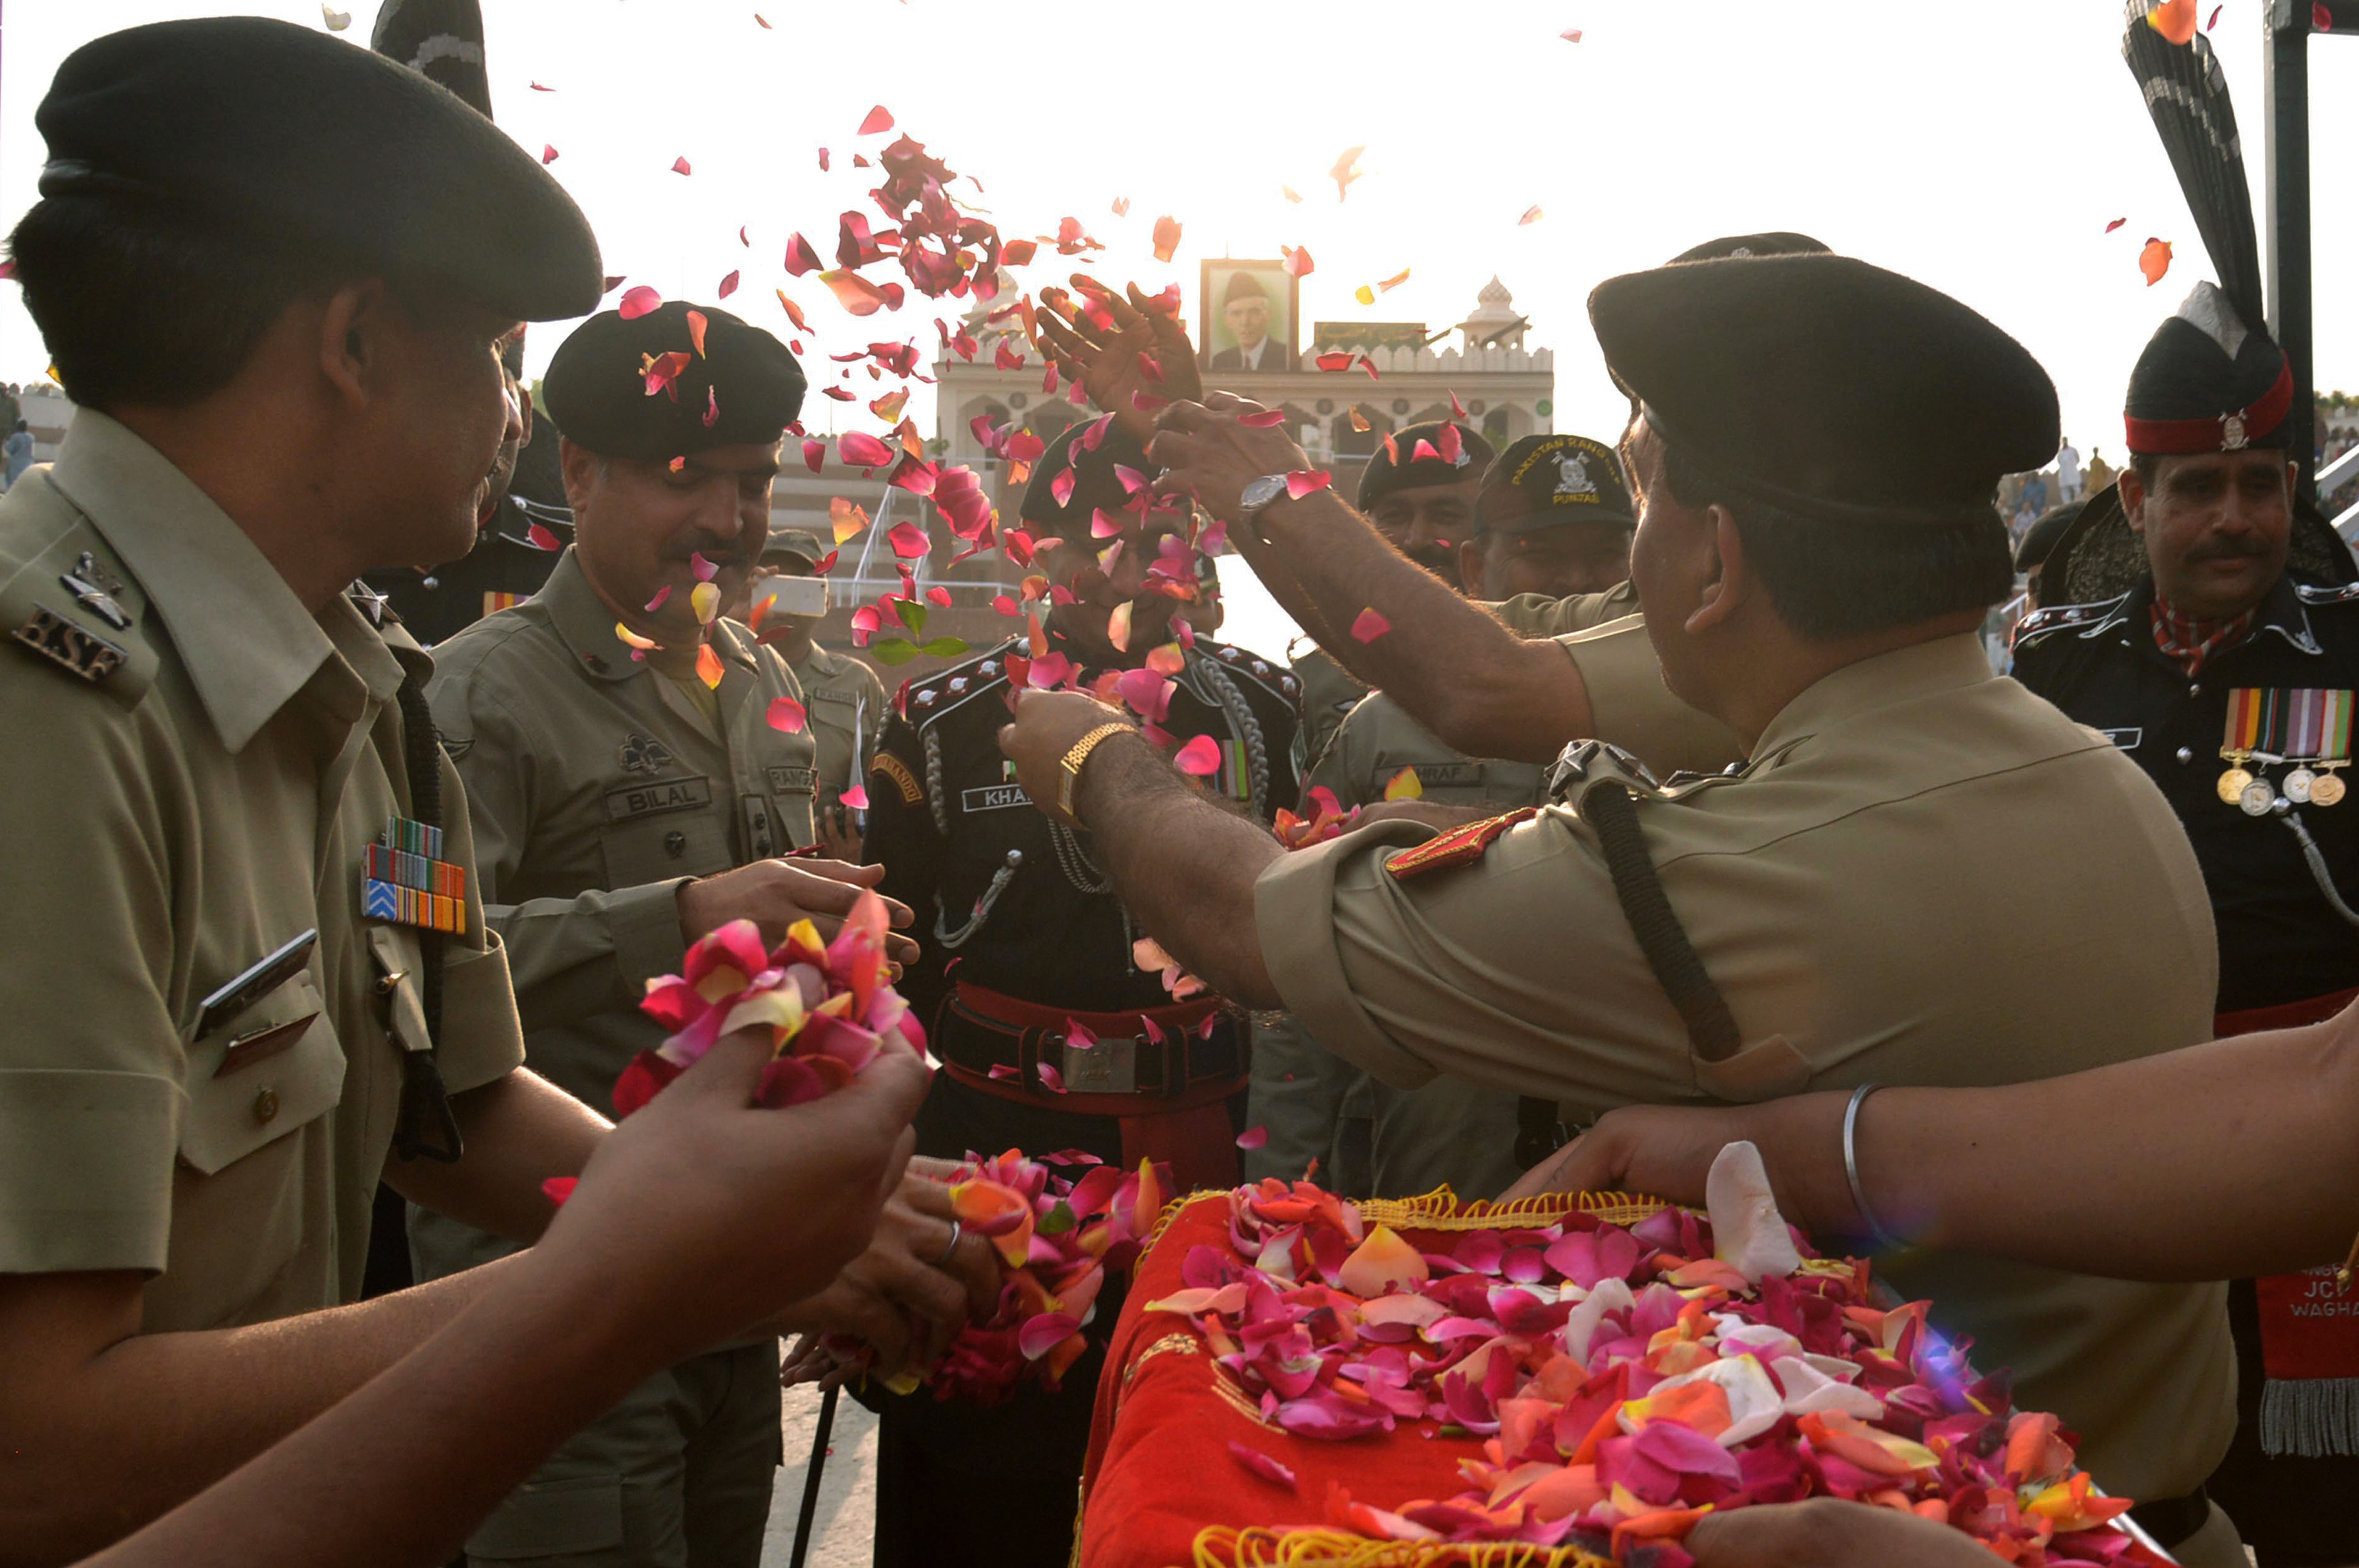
pixel 957 1230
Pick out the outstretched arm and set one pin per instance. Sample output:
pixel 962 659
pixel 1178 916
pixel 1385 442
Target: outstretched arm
pixel 2218 1161
pixel 1184 867
pixel 1475 683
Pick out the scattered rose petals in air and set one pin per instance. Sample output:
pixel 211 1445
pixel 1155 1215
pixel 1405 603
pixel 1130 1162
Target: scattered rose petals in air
pixel 1166 237
pixel 537 87
pixel 708 666
pixel 1298 261
pixel 1122 206
pixel 855 797
pixel 2215 17
pixel 1366 294
pixel 657 602
pixel 560 1188
pixel 547 153
pixel 1267 419
pixel 800 258
pixel 728 286
pixel 706 570
pixel 705 599
pixel 1359 419
pixel 1405 786
pixel 696 325
pixel 539 537
pixel 858 448
pixel 337 20
pixel 814 454
pixel 1254 1459
pixel 2116 224
pixel 2174 19
pixel 854 292
pixel 765 21
pixel 879 120
pixel 786 716
pixel 1289 192
pixel 1335 359
pixel 680 165
pixel 1050 1079
pixel 1369 625
pixel 2154 260
pixel 637 303
pixel 1531 215
pixel 1201 757
pixel 1347 170
pixel 794 313
pixel 908 540
pixel 2322 19
pixel 1571 35
pixel 1254 1137
pixel 1303 481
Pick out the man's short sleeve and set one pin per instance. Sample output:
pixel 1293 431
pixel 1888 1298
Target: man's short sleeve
pixel 90 1062
pixel 1510 965
pixel 1630 707
pixel 1539 616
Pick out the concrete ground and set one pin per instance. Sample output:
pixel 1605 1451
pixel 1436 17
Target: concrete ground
pixel 842 1528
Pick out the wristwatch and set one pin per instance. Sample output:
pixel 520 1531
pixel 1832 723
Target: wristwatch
pixel 1068 767
pixel 1259 494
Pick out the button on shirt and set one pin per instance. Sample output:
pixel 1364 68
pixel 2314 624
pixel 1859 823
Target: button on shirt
pixel 165 827
pixel 1926 875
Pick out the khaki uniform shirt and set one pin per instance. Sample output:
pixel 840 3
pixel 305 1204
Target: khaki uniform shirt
pixel 1329 691
pixel 598 788
pixel 1926 875
pixel 848 708
pixel 204 791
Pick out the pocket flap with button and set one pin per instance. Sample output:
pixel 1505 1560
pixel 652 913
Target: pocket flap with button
pixel 273 1068
pixel 657 848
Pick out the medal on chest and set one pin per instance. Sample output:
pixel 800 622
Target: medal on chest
pixel 2306 727
pixel 405 880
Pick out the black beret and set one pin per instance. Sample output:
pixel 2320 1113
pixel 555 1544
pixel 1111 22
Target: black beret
pixel 598 388
pixel 307 139
pixel 443 40
pixel 1828 388
pixel 1397 466
pixel 1543 481
pixel 1777 242
pixel 2041 537
pixel 2208 381
pixel 1096 486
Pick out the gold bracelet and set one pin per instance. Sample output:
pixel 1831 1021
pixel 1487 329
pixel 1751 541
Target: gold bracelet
pixel 1070 770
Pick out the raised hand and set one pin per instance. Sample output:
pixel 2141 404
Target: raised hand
pixel 1109 360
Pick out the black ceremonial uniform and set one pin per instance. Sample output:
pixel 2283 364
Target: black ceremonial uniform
pixel 1020 931
pixel 514 553
pixel 2280 940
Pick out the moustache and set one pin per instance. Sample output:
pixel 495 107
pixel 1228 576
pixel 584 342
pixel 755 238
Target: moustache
pixel 2229 552
pixel 1437 559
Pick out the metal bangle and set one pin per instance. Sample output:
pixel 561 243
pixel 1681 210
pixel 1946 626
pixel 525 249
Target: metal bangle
pixel 1883 1239
pixel 957 1230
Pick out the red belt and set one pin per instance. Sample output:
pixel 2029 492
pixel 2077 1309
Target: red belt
pixel 1176 1113
pixel 2285 1015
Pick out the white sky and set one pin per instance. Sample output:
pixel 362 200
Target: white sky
pixel 1982 148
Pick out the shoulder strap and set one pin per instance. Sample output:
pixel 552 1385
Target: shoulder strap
pixel 1610 808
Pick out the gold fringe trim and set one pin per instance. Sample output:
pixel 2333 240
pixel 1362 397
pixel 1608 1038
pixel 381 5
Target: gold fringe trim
pixel 1441 1210
pixel 1222 1547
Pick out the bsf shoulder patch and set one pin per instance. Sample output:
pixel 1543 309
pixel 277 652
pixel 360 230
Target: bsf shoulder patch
pixel 1458 846
pixel 894 769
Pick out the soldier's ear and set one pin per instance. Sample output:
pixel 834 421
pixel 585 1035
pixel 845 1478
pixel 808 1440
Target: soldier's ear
pixel 1725 579
pixel 580 467
pixel 1471 558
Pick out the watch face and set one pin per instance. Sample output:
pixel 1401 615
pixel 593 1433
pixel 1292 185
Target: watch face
pixel 1261 492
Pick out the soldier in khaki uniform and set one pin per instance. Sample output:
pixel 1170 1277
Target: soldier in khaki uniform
pixel 1552 519
pixel 1418 491
pixel 846 702
pixel 635 774
pixel 1921 875
pixel 190 1135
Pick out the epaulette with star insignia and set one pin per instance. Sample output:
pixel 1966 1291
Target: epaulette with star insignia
pixel 1276 679
pixel 947 691
pixel 72 605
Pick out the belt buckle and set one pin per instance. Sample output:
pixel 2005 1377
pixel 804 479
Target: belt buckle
pixel 1109 1067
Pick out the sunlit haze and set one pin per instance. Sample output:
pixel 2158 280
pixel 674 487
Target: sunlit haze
pixel 1983 149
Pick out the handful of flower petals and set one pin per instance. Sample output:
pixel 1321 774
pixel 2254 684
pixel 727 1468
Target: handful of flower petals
pixel 1326 819
pixel 1621 1383
pixel 829 1008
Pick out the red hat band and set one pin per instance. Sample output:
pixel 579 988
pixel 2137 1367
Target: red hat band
pixel 2224 432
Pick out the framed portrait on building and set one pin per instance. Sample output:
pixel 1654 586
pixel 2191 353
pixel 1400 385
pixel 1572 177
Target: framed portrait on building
pixel 1250 310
